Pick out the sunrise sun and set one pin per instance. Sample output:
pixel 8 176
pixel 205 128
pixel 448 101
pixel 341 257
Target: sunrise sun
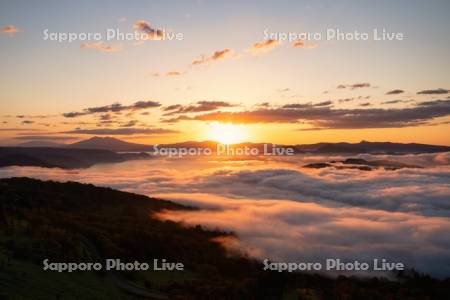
pixel 227 133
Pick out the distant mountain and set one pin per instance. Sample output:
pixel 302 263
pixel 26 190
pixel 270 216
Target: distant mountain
pixel 117 145
pixel 370 147
pixel 361 164
pixel 61 157
pixel 109 143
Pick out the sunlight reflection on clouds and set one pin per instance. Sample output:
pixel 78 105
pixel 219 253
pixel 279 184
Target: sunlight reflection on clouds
pixel 283 211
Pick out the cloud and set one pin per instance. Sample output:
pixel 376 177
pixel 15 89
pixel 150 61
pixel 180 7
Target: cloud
pixel 123 131
pixel 302 44
pixel 217 55
pixel 144 105
pixel 343 100
pixel 434 92
pixel 395 92
pixel 100 46
pixel 10 30
pixel 172 107
pixel 200 106
pixel 130 123
pixel 34 116
pixel 354 85
pixel 395 101
pixel 323 103
pixel 115 107
pixel 169 74
pixel 281 211
pixel 331 118
pixel 27 122
pixel 153 34
pixel 173 73
pixel 306 105
pixel 44 137
pixel 20 129
pixel 264 46
pixel 284 231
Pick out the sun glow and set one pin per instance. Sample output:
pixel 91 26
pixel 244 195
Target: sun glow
pixel 227 133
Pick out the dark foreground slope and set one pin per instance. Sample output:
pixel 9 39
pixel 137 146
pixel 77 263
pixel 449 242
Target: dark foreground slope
pixel 72 222
pixel 61 157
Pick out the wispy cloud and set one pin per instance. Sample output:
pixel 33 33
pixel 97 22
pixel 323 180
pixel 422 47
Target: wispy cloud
pixel 173 73
pixel 264 46
pixel 304 45
pixel 10 30
pixel 44 137
pixel 217 55
pixel 434 92
pixel 354 85
pixel 123 131
pixel 116 107
pixel 100 46
pixel 200 106
pixel 326 117
pixel 395 92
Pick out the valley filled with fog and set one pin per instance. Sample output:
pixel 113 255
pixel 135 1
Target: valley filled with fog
pixel 284 211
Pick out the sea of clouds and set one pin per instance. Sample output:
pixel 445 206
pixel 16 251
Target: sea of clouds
pixel 282 211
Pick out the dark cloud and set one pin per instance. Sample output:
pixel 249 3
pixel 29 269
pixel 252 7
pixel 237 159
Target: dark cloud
pixel 263 104
pixel 434 92
pixel 144 104
pixel 323 103
pixel 395 101
pixel 365 104
pixel 395 92
pixel 44 137
pixel 123 131
pixel 306 105
pixel 172 107
pixel 106 117
pixel 20 129
pixel 74 114
pixel 329 118
pixel 115 108
pixel 27 122
pixel 434 103
pixel 354 86
pixel 33 116
pixel 152 33
pixel 345 100
pixel 200 106
pixel 130 123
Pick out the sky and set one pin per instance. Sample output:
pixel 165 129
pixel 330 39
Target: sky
pixel 224 79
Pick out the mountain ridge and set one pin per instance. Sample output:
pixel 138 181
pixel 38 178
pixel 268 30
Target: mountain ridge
pixel 118 145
